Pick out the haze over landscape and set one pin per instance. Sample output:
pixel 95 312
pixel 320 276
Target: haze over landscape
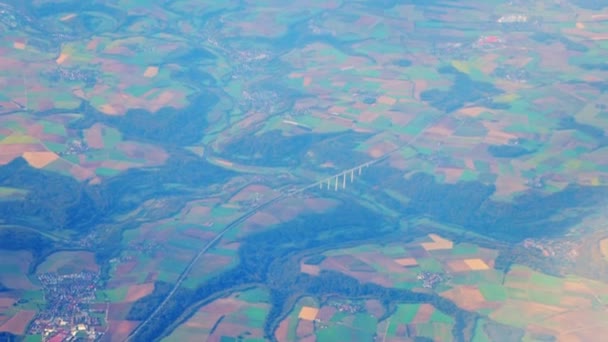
pixel 319 170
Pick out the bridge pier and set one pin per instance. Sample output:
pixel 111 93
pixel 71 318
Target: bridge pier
pixel 335 179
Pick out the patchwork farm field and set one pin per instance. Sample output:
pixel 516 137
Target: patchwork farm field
pixel 239 316
pixel 303 170
pixel 364 320
pixel 520 298
pixel 404 265
pixel 17 306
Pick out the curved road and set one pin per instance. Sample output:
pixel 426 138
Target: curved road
pixel 204 250
pixel 228 227
pixel 254 210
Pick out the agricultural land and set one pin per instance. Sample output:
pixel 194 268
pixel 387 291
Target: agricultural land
pixel 315 170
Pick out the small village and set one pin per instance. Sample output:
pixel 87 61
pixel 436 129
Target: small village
pixel 68 315
pixel 430 279
pixel 563 250
pixel 348 307
pixel 75 147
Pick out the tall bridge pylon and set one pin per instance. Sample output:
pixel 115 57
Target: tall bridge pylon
pixel 339 180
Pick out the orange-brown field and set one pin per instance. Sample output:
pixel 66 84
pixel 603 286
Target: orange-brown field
pixel 387 100
pixel 604 247
pixel 438 243
pixel 457 266
pixel 18 323
pixel 94 136
pixel 151 71
pixel 368 116
pixel 522 312
pixel 488 63
pixel 452 175
pixel 40 159
pixel 476 264
pixel 126 267
pixel 308 313
pixel 282 331
pixel 579 32
pixel 119 329
pixel 12 151
pixel 424 314
pixel 305 330
pixel 310 269
pixel 507 185
pixel 139 291
pixel 473 111
pixel 381 148
pixel 496 135
pixel 444 128
pixel 468 298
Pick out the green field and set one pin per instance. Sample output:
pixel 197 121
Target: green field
pixel 113 295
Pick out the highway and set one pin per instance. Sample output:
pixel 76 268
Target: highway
pixel 184 274
pixel 200 253
pixel 335 177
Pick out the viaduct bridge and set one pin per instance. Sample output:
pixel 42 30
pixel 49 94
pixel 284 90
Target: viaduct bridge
pixel 336 181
